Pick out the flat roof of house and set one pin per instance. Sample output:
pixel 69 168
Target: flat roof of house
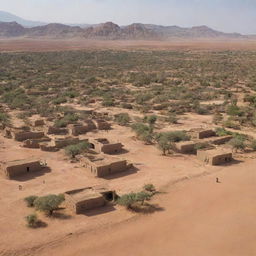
pixel 104 160
pixel 216 152
pixel 83 194
pixel 21 162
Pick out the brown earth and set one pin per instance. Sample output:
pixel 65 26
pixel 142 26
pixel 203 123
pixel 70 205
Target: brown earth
pixel 37 45
pixel 199 217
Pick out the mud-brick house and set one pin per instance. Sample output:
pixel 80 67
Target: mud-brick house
pixel 102 124
pixel 12 169
pixel 202 134
pixel 21 136
pixel 185 147
pixel 56 130
pixel 215 156
pixel 78 129
pixel 103 145
pixel 103 166
pixel 80 200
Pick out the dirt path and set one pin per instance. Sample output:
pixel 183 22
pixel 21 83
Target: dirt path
pixel 200 217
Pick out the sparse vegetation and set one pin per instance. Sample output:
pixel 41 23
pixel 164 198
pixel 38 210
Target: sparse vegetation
pixel 48 204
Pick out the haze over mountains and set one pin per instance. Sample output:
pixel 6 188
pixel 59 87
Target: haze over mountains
pixel 13 26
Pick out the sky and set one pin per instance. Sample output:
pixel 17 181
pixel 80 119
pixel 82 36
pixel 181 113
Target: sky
pixel 224 15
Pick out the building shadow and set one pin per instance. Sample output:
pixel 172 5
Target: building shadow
pixel 123 151
pixel 131 171
pixel 98 211
pixel 32 175
pixel 233 162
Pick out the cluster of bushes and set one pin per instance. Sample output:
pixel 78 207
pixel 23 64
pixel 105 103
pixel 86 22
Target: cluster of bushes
pixel 46 204
pixel 67 119
pixel 131 200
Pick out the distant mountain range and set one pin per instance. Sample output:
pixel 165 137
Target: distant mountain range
pixel 13 26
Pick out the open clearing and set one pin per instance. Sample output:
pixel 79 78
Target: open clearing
pixel 184 85
pixel 37 45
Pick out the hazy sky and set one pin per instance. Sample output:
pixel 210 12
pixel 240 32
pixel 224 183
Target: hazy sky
pixel 225 15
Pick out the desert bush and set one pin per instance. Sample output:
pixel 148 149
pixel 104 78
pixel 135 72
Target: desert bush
pixel 222 132
pixel 253 145
pixel 4 118
pixel 151 120
pixel 237 143
pixel 149 188
pixel 32 220
pixel 143 132
pixel 122 119
pixel 48 204
pixel 74 150
pixel 30 200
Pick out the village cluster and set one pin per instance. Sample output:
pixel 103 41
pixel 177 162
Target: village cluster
pixel 43 135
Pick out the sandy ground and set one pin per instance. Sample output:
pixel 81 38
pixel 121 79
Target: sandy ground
pixel 200 217
pixel 28 44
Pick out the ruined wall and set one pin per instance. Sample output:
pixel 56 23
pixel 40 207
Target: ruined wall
pixel 76 130
pixel 38 122
pixel 35 143
pixel 112 148
pixel 102 124
pixel 56 131
pixel 206 134
pixel 220 140
pixel 21 136
pixel 47 148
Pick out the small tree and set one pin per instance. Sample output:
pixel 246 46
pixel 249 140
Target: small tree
pixel 237 143
pixel 142 196
pixel 30 200
pixel 149 188
pixel 151 120
pixel 253 145
pixel 48 204
pixel 74 150
pixel 127 200
pixel 122 119
pixel 32 220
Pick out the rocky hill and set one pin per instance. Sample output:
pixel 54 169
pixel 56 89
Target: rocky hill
pixel 111 31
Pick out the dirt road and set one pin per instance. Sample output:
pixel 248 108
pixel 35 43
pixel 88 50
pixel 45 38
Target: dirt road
pixel 200 217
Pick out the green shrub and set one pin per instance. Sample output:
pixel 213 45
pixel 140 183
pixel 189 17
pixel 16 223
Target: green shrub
pixel 48 204
pixel 122 119
pixel 74 150
pixel 149 188
pixel 222 132
pixel 32 220
pixel 30 200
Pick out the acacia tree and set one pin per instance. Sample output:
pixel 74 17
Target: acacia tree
pixel 48 204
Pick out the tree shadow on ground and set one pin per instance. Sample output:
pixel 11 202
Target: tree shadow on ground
pixel 61 215
pixel 146 208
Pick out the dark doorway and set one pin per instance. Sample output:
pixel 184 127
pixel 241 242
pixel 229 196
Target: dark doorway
pixel 92 146
pixel 28 169
pixel 109 196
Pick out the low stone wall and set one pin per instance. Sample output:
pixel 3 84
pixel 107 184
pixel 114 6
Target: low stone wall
pixel 21 136
pixel 56 131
